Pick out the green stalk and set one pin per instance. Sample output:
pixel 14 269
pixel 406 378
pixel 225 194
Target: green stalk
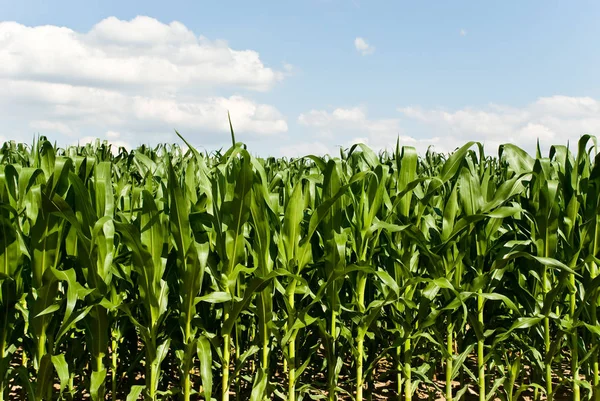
pixel 548 366
pixel 594 322
pixel 331 367
pixel 359 369
pixel 251 339
pixel 187 386
pixel 547 363
pixel 100 326
pixel 225 367
pixel 265 346
pixel 114 359
pixel 265 333
pixel 236 346
pixel 152 380
pixel 399 370
pixel 99 362
pixel 235 356
pixel 71 385
pixel 449 339
pixel 292 369
pixel 3 353
pixel 511 386
pixel 292 346
pixel 361 284
pixel 407 371
pixel 574 343
pixel 480 349
pixel 41 346
pixel 42 393
pixel 594 317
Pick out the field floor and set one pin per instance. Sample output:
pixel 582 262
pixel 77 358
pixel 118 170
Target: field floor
pixel 381 387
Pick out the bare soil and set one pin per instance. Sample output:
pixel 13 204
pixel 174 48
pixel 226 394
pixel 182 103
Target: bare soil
pixel 381 387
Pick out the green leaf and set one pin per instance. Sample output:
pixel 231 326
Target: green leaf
pixel 215 297
pixel 205 357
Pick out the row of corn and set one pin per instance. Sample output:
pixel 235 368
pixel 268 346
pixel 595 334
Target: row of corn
pixel 165 273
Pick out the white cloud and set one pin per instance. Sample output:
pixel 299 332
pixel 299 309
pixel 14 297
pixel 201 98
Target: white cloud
pixel 347 126
pixel 140 78
pixel 139 52
pixel 114 144
pixel 363 47
pixel 55 126
pixel 211 114
pixel 304 149
pixel 68 109
pixel 463 32
pixel 555 120
pixel 349 120
pixel 389 143
pixel 113 134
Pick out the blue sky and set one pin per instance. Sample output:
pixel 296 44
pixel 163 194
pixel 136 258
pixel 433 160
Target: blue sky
pixel 434 73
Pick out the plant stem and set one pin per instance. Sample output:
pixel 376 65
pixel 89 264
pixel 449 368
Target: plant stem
pixel 574 343
pixel 480 349
pixel 333 362
pixel 449 337
pixel 151 380
pixel 292 369
pixel 114 359
pixel 292 344
pixel 407 370
pixel 399 370
pixel 225 367
pixel 3 346
pixel 187 357
pixel 359 369
pixel 41 347
pixel 594 317
pixel 594 322
pixel 100 325
pixel 264 364
pixel 236 354
pixel 186 386
pixel 361 284
pixel 548 366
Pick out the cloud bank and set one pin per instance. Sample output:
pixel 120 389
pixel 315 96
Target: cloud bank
pixel 554 120
pixel 135 77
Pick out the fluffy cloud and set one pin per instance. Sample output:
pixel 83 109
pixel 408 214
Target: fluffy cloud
pixel 347 126
pixel 142 78
pixel 363 47
pixel 111 136
pixel 71 110
pixel 352 120
pixel 54 126
pixel 305 148
pixel 140 52
pixel 552 120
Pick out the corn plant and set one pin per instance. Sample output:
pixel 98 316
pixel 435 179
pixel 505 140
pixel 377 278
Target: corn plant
pixel 169 273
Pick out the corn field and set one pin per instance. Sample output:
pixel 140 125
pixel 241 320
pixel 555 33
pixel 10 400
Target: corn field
pixel 168 274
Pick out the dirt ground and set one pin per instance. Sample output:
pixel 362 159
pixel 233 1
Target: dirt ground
pixel 381 387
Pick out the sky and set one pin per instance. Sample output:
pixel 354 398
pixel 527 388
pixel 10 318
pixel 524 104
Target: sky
pixel 301 77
